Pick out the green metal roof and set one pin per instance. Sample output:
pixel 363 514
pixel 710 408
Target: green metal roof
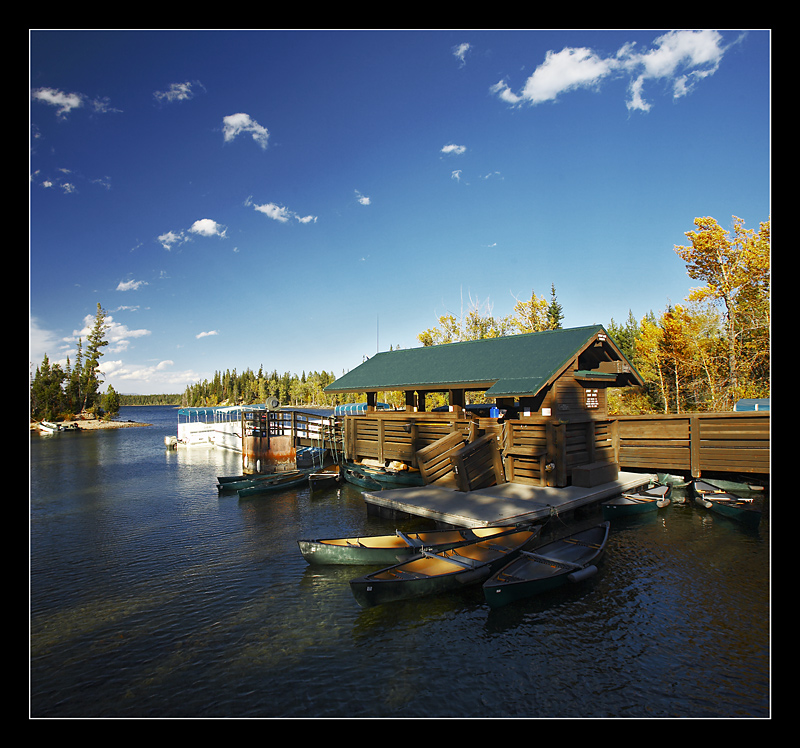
pixel 516 365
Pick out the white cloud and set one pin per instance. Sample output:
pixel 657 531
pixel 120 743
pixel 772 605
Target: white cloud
pixel 171 239
pixel 178 92
pixel 281 213
pixel 41 342
pixel 157 378
pixel 131 285
pixel 276 212
pixel 236 124
pixel 460 52
pixel 206 334
pixel 203 227
pixel 66 102
pixel 363 199
pixel 683 57
pixel 456 149
pixel 207 227
pixel 117 335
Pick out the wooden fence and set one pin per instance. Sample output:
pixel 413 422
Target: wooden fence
pixel 542 451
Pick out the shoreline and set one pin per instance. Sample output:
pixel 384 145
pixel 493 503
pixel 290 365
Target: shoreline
pixel 93 424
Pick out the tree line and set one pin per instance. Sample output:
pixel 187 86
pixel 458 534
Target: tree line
pixel 248 387
pixel 56 392
pixel 714 349
pixel 704 354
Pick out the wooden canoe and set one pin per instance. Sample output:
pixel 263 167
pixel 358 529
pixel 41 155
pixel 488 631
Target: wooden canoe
pixel 352 474
pixel 727 503
pixel 390 478
pixel 384 550
pixel 637 502
pixel 247 481
pixel 570 559
pixel 323 479
pixel 436 573
pixel 277 482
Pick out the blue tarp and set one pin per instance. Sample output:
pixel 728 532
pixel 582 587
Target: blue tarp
pixel 351 409
pixel 752 403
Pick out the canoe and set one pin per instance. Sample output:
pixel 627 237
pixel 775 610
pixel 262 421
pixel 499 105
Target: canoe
pixel 247 481
pixel 434 573
pixel 384 550
pixel 323 479
pixel 637 502
pixel 359 478
pixel 387 476
pixel 726 503
pixel 570 559
pixel 224 479
pixel 276 482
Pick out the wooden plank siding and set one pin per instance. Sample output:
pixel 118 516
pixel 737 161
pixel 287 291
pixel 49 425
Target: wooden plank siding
pixel 544 451
pixel 696 443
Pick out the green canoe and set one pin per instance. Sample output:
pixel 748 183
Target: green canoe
pixel 383 550
pixel 637 502
pixel 276 482
pixel 570 559
pixel 436 573
pixel 726 503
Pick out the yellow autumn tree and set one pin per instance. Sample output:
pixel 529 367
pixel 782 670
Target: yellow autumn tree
pixel 736 270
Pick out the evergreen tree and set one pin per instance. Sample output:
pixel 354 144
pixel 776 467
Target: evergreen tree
pixel 555 314
pixel 111 401
pixel 73 393
pixel 46 396
pixel 91 373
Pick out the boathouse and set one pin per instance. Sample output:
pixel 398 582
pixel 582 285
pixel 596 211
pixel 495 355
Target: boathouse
pixel 550 426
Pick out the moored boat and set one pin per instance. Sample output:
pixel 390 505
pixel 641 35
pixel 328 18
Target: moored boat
pixel 247 481
pixel 389 476
pixel 352 474
pixel 434 573
pixel 392 549
pixel 275 482
pixel 727 503
pixel 323 479
pixel 646 499
pixel 570 559
pixel 48 427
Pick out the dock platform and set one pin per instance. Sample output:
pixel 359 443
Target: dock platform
pixel 502 504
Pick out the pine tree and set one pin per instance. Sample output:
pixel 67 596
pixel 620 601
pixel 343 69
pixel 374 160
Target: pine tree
pixel 111 401
pixel 91 373
pixel 47 398
pixel 555 313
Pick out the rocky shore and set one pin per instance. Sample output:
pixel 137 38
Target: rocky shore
pixel 90 424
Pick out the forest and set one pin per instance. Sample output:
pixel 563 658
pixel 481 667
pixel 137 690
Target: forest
pixel 702 355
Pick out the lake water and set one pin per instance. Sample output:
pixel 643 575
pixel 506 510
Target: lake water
pixel 152 595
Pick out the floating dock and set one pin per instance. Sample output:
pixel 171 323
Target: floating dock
pixel 502 504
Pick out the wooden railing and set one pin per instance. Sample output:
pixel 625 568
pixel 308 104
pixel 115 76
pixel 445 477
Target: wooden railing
pixel 695 443
pixel 545 452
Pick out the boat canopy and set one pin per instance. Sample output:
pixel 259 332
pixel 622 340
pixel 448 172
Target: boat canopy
pixel 350 409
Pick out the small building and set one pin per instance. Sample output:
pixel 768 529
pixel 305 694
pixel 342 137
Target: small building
pixel 549 388
pixel 554 374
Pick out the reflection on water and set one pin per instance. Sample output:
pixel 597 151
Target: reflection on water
pixel 154 596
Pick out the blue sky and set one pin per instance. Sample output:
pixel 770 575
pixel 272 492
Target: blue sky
pixel 301 199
